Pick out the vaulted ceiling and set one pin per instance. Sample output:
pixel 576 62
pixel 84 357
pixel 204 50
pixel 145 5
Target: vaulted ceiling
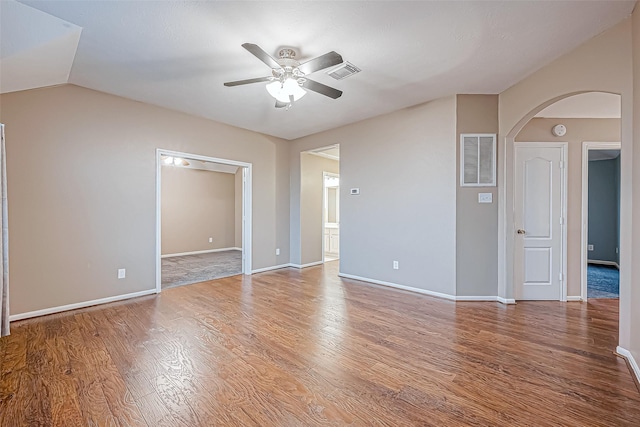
pixel 178 54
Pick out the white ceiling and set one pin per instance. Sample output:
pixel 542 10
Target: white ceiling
pixel 178 54
pixel 585 106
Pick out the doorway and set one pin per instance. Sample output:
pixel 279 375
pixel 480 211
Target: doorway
pixel 540 212
pixel 216 254
pixel 331 217
pixel 319 205
pixel 600 243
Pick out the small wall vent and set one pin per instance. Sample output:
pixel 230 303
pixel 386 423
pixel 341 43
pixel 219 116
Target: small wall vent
pixel 343 71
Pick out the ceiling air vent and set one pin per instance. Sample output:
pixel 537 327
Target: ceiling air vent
pixel 343 71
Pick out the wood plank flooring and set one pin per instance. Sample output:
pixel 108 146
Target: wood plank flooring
pixel 305 348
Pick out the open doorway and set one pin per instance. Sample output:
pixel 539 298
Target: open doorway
pixel 331 217
pixel 570 121
pixel 600 260
pixel 320 205
pixel 203 218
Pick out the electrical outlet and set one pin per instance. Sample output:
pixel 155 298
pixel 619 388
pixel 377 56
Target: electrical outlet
pixel 396 266
pixel 589 247
pixel 617 250
pixel 278 251
pixel 122 273
pixel 210 239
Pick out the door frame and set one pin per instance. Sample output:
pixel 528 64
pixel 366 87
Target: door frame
pixel 324 201
pixel 563 208
pixel 584 238
pixel 246 207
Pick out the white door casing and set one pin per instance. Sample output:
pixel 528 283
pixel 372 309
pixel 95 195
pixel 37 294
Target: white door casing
pixel 540 212
pixel 247 210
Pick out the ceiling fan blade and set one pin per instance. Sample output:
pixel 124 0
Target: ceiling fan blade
pixel 261 55
pixel 281 104
pixel 322 89
pixel 248 81
pixel 321 62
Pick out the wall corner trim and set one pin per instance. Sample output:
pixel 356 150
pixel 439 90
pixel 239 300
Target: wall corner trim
pixel 74 306
pixel 395 285
pixel 626 354
pixel 506 300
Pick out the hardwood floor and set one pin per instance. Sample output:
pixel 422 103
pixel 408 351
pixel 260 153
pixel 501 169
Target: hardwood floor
pixel 305 348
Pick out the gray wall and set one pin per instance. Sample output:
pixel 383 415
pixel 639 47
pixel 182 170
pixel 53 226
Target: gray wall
pixel 604 209
pixel 405 165
pixel 476 224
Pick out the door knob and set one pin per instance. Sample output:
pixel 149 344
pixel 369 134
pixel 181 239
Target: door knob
pixel 521 231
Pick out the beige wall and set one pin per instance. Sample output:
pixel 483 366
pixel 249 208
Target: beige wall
pixel 476 224
pixel 405 166
pixel 604 63
pixel 197 205
pixel 578 131
pixel 632 343
pixel 81 176
pixel 311 229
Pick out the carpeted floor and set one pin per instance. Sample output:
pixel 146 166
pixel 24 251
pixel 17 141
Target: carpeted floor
pixel 603 281
pixel 188 269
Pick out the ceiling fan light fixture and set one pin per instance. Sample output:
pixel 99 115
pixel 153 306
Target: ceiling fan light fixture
pixel 283 91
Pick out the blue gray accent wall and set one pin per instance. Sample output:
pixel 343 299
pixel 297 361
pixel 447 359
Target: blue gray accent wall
pixel 604 209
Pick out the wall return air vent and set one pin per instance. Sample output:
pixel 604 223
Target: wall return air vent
pixel 343 71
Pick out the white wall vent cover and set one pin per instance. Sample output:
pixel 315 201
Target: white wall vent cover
pixel 343 71
pixel 477 160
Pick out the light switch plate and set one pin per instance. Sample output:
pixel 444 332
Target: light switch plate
pixel 485 197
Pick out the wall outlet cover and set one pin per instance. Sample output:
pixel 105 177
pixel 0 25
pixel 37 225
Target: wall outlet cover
pixel 589 247
pixel 355 191
pixel 122 273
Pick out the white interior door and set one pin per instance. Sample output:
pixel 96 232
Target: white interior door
pixel 539 221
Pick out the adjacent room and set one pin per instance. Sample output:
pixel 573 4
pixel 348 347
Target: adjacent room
pixel 201 211
pixel 603 269
pixel 319 213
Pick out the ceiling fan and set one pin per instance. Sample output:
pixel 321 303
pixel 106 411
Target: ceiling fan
pixel 289 77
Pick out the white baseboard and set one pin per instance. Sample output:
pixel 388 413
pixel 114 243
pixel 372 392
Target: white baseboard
pixel 395 285
pixel 506 300
pixel 311 264
pixel 611 263
pixel 627 355
pixel 200 252
pixel 574 298
pixel 273 267
pixel 77 305
pixel 475 298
